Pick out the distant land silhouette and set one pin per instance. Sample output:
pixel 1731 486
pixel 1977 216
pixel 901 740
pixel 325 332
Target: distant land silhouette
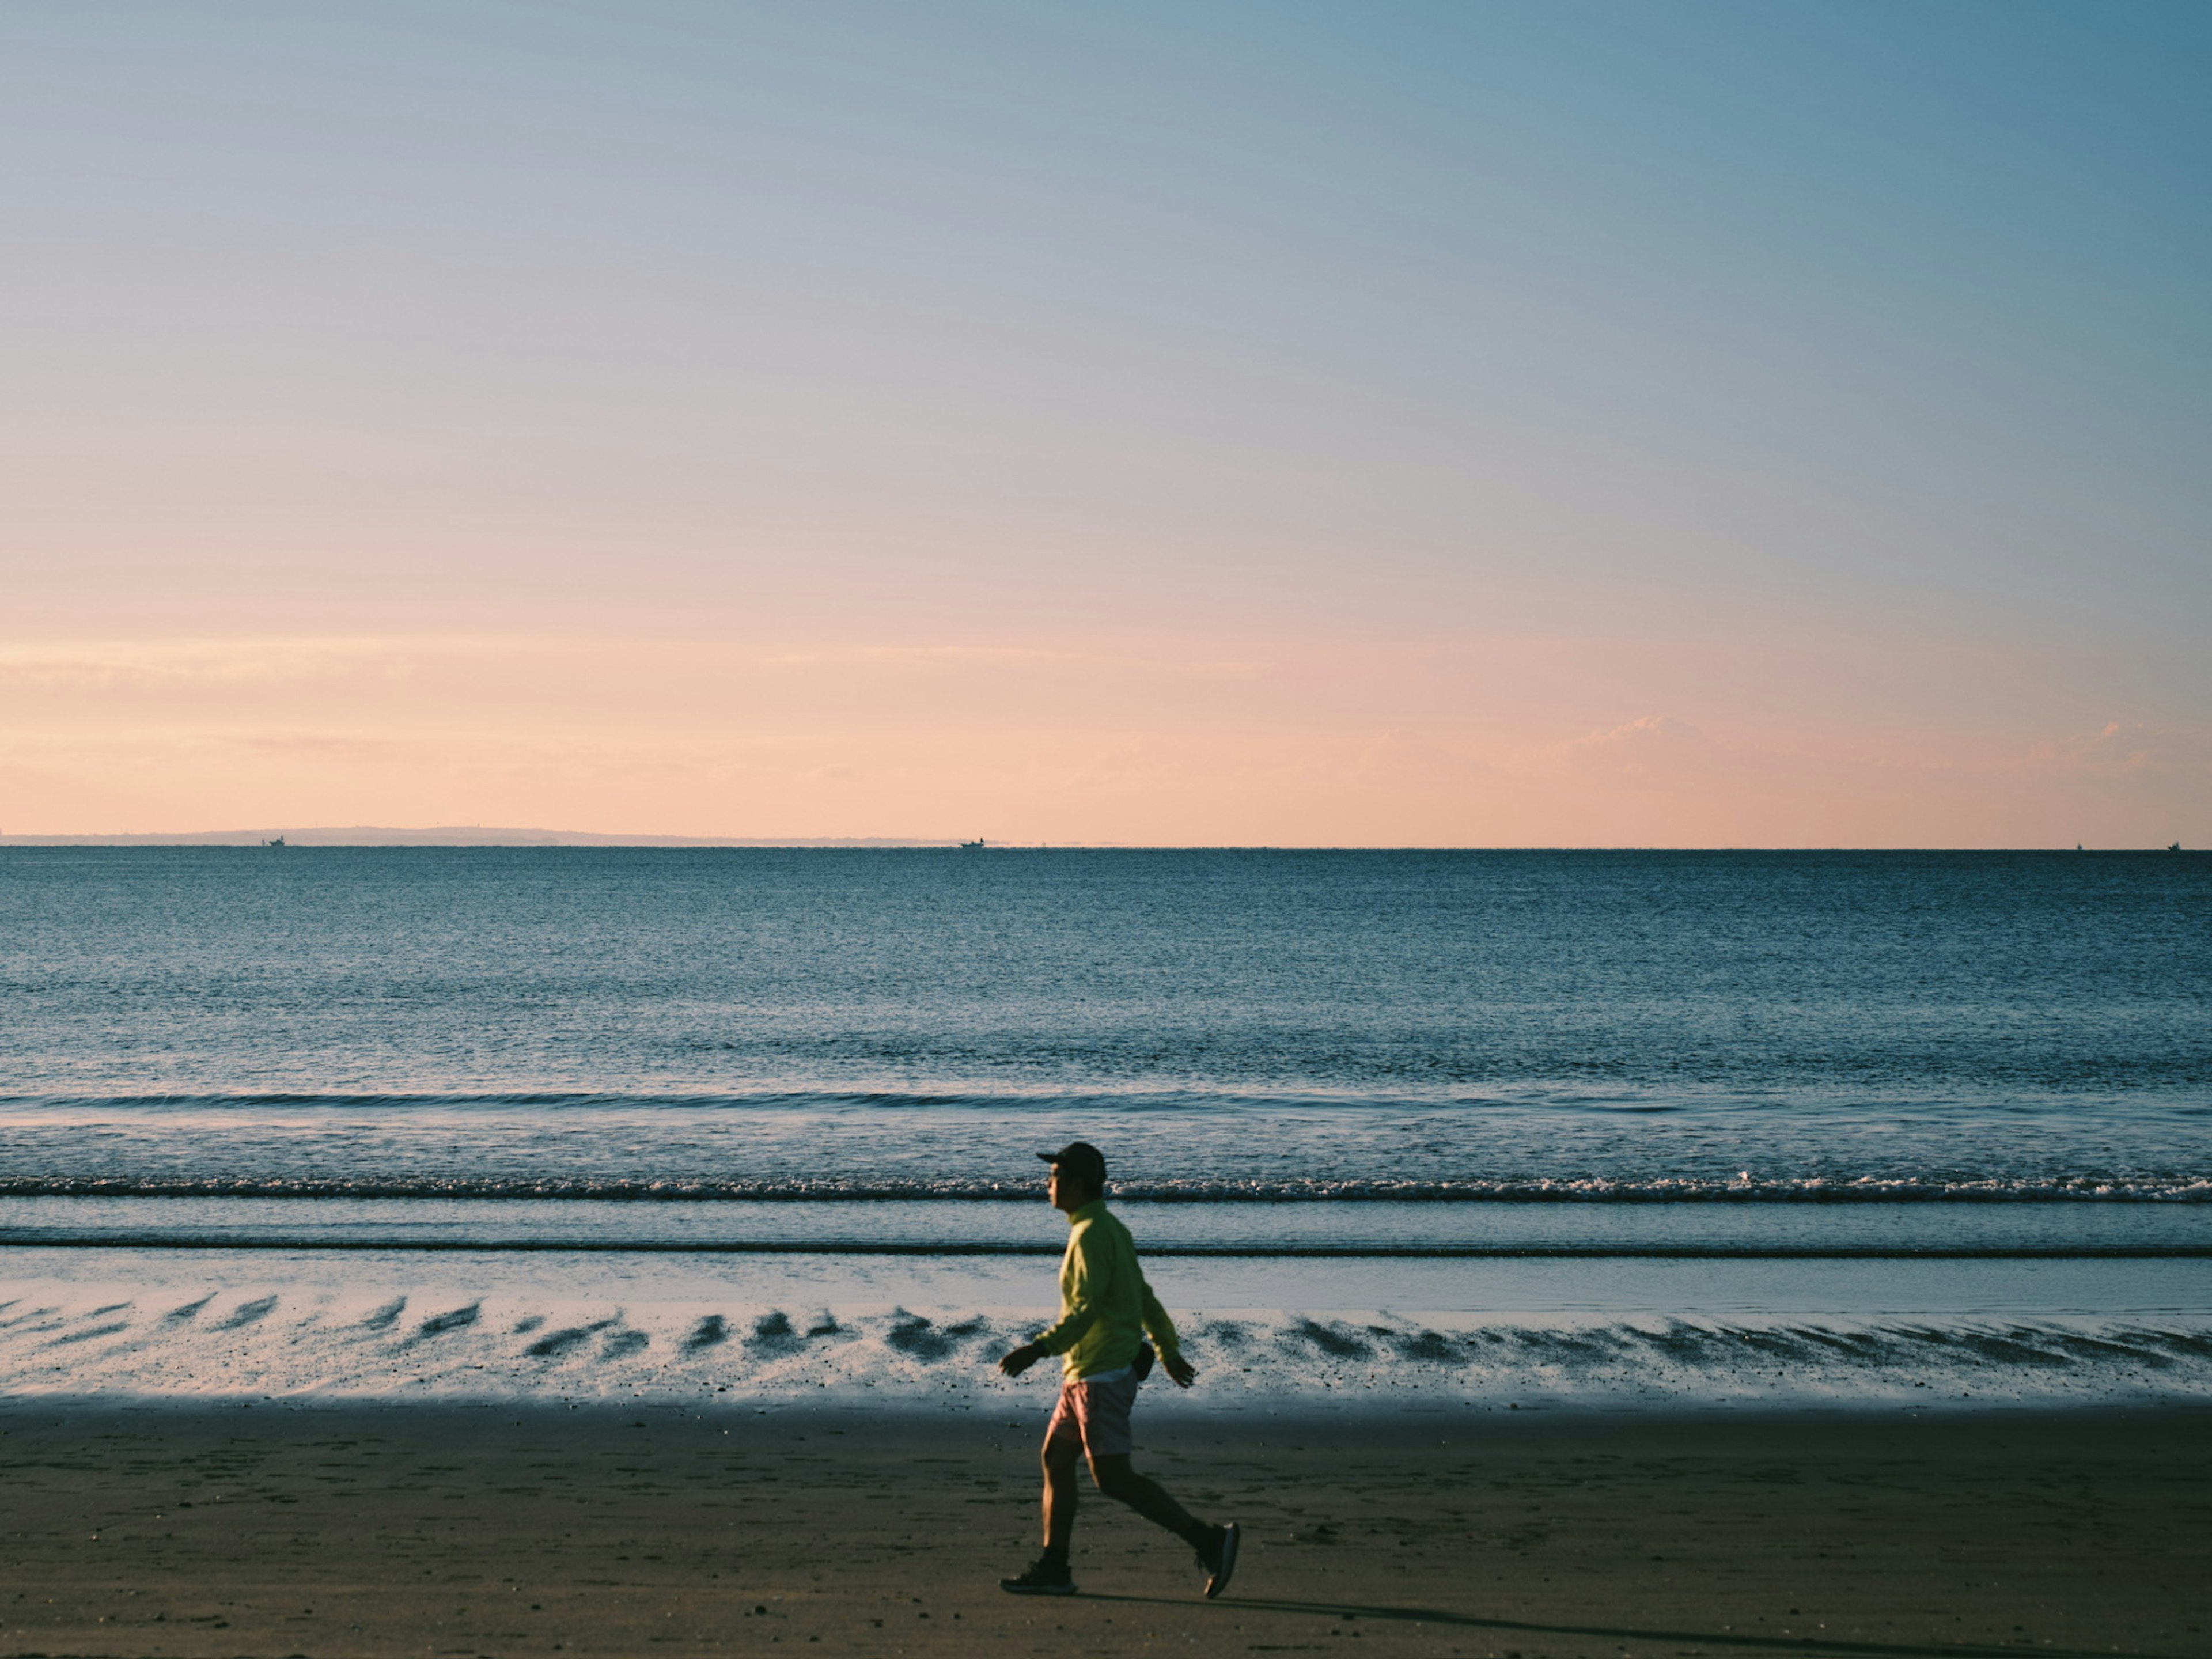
pixel 468 835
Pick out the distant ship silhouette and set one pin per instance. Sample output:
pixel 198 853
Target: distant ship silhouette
pixel 277 841
pixel 969 845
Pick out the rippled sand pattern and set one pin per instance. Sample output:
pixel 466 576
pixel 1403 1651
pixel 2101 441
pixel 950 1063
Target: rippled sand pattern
pixel 81 1340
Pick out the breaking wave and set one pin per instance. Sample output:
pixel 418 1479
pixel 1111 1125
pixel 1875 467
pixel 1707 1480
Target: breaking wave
pixel 1193 1146
pixel 2169 1189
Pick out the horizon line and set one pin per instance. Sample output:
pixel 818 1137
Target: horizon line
pixel 485 836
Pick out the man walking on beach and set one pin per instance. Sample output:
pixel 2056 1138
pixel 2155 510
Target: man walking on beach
pixel 1106 1310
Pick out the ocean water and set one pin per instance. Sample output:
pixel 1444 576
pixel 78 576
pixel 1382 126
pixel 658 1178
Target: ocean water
pixel 1586 1126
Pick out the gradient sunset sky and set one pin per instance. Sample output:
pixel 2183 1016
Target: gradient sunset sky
pixel 1650 424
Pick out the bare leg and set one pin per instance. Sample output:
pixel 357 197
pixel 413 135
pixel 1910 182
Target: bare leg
pixel 1118 1480
pixel 1061 1457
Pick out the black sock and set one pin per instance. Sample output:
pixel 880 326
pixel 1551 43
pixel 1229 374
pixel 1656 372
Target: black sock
pixel 1055 1555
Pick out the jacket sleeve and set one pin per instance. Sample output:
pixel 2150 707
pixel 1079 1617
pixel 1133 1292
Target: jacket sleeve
pixel 1161 1327
pixel 1082 1310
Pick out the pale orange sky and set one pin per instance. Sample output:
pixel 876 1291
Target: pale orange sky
pixel 1431 428
pixel 1431 736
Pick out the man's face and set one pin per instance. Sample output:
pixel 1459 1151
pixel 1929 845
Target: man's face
pixel 1066 1193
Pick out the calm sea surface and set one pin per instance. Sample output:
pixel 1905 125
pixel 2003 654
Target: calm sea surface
pixel 242 1091
pixel 579 1023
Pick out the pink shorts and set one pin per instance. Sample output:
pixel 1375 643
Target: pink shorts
pixel 1096 1414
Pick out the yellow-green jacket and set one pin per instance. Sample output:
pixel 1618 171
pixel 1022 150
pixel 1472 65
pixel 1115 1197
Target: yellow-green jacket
pixel 1105 1306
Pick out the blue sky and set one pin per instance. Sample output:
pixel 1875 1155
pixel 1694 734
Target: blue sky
pixel 1256 334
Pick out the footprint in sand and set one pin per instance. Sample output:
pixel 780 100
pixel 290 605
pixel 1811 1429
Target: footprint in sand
pixel 709 1333
pixel 773 1334
pixel 556 1343
pixel 439 1324
pixel 247 1312
pixel 911 1333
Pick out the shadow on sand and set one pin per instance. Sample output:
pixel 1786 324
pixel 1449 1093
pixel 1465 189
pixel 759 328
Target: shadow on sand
pixel 1353 1611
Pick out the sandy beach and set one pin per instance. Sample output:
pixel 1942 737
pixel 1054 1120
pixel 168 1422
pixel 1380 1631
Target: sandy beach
pixel 282 1529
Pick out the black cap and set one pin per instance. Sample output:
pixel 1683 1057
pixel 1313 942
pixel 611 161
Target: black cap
pixel 1081 1160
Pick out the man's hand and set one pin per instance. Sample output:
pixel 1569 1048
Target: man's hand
pixel 1021 1359
pixel 1180 1371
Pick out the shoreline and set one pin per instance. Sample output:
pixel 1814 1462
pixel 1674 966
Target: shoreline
pixel 1163 1416
pixel 332 1528
pixel 204 1328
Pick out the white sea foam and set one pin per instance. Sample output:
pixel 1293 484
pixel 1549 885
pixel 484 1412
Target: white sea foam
pixel 1316 1229
pixel 1543 1146
pixel 66 1338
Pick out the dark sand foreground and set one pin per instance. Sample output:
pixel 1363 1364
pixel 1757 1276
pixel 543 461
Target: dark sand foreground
pixel 453 1531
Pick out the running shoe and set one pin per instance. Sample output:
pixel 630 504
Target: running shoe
pixel 1221 1563
pixel 1041 1577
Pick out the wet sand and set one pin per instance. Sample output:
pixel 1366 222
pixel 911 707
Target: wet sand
pixel 459 1530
